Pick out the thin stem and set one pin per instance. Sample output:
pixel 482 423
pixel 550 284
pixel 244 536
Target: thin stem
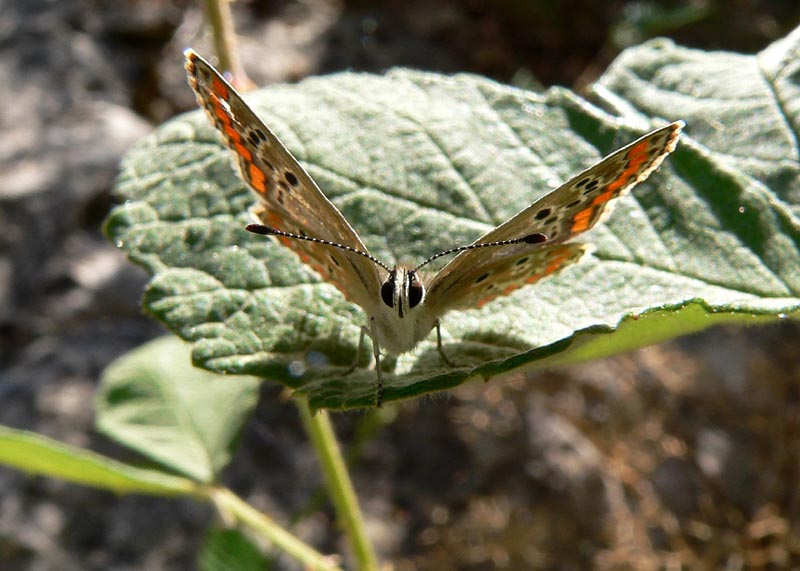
pixel 220 20
pixel 340 487
pixel 229 504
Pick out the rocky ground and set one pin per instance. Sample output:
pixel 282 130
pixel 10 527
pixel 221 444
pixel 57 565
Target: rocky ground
pixel 681 453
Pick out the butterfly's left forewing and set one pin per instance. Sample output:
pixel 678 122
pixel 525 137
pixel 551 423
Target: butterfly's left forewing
pixel 569 210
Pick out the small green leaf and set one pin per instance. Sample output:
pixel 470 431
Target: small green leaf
pixel 42 456
pixel 154 401
pixel 419 163
pixel 230 550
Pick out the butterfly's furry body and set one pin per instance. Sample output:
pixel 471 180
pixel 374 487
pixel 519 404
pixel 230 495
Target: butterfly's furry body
pixel 399 327
pixel 401 310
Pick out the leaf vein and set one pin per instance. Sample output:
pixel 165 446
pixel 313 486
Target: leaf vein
pixel 780 105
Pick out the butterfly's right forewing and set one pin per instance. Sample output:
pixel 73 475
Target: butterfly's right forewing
pixel 289 199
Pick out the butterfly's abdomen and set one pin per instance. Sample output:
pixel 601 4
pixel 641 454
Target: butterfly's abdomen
pixel 402 335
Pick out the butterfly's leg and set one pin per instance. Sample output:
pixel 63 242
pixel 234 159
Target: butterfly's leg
pixel 376 351
pixel 439 347
pixel 358 351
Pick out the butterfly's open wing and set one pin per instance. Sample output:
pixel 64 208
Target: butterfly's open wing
pixel 289 199
pixel 569 210
pixel 481 283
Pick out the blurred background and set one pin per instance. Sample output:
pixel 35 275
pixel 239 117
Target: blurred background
pixel 684 455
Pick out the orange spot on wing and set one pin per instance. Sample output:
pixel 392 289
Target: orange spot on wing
pixel 228 128
pixel 484 301
pixel 636 156
pixel 604 197
pixel 556 264
pixel 257 178
pixel 321 271
pixel 296 246
pixel 222 115
pixel 241 150
pixel 219 89
pixel 580 221
pixel 274 220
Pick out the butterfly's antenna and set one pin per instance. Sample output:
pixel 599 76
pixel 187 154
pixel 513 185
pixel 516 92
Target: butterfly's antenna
pixel 270 231
pixel 537 238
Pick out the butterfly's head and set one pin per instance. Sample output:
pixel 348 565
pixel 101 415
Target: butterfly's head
pixel 402 291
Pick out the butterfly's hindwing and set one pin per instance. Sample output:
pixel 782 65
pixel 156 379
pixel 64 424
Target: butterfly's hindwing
pixel 481 284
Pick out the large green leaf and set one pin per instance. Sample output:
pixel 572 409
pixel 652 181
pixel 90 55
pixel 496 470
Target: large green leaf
pixel 154 401
pixel 744 109
pixel 43 456
pixel 419 163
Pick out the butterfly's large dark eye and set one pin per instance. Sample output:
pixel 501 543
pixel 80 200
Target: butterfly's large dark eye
pixel 415 290
pixel 387 291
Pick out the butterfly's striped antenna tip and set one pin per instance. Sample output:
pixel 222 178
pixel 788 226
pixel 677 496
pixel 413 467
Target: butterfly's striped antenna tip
pixel 270 231
pixel 536 238
pixel 261 229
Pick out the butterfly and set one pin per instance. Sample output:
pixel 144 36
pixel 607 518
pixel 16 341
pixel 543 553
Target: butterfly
pixel 403 305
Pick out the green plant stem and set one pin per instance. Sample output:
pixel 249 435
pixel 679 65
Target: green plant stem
pixel 220 20
pixel 229 503
pixel 340 488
